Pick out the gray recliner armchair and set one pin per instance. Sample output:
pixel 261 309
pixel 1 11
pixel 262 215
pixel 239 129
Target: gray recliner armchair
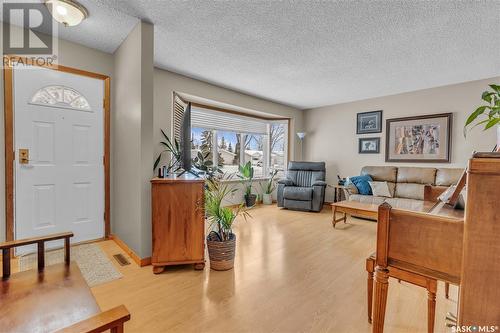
pixel 304 186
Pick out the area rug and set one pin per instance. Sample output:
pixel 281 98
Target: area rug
pixel 95 266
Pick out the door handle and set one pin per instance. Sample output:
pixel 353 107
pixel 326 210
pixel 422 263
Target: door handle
pixel 24 156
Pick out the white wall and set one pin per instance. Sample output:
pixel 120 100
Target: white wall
pixel 332 129
pixel 133 148
pixel 72 55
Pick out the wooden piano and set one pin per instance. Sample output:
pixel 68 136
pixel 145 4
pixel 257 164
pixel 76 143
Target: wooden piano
pixel 446 244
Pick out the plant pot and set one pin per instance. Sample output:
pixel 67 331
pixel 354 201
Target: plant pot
pixel 250 200
pixel 498 138
pixel 267 198
pixel 221 253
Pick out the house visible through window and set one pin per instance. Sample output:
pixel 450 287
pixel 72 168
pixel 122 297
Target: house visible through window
pixel 231 140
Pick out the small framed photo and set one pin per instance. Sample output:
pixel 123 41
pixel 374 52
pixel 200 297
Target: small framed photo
pixel 369 146
pixel 369 122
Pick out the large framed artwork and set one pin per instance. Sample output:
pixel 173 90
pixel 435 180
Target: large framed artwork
pixel 369 122
pixel 425 139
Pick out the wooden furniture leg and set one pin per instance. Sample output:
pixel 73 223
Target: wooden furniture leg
pixel 337 220
pixel 381 289
pixel 158 269
pixel 431 311
pixel 6 263
pixel 431 304
pixel 199 266
pixel 370 267
pixel 447 290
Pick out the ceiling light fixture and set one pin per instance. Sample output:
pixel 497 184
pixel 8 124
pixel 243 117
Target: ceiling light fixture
pixel 67 12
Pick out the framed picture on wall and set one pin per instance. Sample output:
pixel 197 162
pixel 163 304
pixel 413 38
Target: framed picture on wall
pixel 425 139
pixel 369 146
pixel 369 122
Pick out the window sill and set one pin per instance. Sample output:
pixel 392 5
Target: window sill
pixel 238 180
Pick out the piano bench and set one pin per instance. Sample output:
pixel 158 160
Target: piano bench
pixel 410 277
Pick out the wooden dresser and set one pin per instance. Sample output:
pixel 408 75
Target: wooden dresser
pixel 178 222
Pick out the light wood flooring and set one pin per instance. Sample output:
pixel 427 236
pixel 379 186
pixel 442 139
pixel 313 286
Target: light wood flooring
pixel 293 273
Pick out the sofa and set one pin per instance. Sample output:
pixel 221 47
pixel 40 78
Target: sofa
pixel 303 188
pixel 406 184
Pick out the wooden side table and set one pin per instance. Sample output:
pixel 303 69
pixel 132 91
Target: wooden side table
pixel 338 192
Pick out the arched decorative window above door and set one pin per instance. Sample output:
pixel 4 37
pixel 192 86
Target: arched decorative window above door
pixel 60 96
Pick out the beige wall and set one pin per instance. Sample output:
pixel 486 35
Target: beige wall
pixel 72 55
pixel 133 149
pixel 167 82
pixel 332 129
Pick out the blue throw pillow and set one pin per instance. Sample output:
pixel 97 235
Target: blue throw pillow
pixel 361 183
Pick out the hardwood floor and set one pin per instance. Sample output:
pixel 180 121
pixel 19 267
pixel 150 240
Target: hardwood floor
pixel 293 273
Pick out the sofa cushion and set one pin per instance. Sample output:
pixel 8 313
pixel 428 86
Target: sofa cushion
pixel 380 189
pixel 361 182
pixel 410 191
pixel 297 204
pixel 381 173
pixel 368 199
pixel 448 176
pixel 298 193
pixel 416 175
pixel 351 188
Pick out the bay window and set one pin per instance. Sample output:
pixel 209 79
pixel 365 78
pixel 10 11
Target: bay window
pixel 232 139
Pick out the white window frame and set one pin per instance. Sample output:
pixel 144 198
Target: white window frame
pixel 266 142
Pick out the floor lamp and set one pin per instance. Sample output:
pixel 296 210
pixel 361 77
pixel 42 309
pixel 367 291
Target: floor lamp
pixel 301 136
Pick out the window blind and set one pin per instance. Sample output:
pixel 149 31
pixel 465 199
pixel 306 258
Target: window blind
pixel 179 109
pixel 224 121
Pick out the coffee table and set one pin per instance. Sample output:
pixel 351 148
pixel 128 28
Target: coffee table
pixel 353 208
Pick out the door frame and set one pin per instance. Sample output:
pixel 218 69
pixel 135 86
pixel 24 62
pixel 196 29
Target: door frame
pixel 9 136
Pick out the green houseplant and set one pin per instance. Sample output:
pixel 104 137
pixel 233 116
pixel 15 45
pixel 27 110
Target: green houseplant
pixel 246 175
pixel 490 111
pixel 174 149
pixel 221 241
pixel 200 164
pixel 268 189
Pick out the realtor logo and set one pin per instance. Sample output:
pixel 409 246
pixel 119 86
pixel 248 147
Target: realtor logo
pixel 30 32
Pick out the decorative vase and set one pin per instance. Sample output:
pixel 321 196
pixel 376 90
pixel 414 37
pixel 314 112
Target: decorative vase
pixel 267 198
pixel 250 200
pixel 221 253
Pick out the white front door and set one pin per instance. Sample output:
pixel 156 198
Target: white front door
pixel 58 120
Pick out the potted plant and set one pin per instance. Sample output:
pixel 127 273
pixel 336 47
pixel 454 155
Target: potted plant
pixel 221 242
pixel 491 110
pixel 246 175
pixel 268 189
pixel 172 148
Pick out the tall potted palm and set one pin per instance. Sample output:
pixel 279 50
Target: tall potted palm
pixel 221 241
pixel 490 109
pixel 246 175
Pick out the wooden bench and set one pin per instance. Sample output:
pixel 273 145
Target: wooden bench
pixel 52 298
pixel 410 277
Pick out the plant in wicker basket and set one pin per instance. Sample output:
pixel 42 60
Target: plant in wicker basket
pixel 221 241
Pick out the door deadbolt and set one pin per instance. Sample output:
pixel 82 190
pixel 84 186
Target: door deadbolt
pixel 24 156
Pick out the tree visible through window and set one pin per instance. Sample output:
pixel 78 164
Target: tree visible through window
pixel 231 140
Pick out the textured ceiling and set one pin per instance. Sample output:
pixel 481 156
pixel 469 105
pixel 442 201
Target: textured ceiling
pixel 309 53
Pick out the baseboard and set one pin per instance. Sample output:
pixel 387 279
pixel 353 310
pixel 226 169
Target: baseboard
pixel 138 260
